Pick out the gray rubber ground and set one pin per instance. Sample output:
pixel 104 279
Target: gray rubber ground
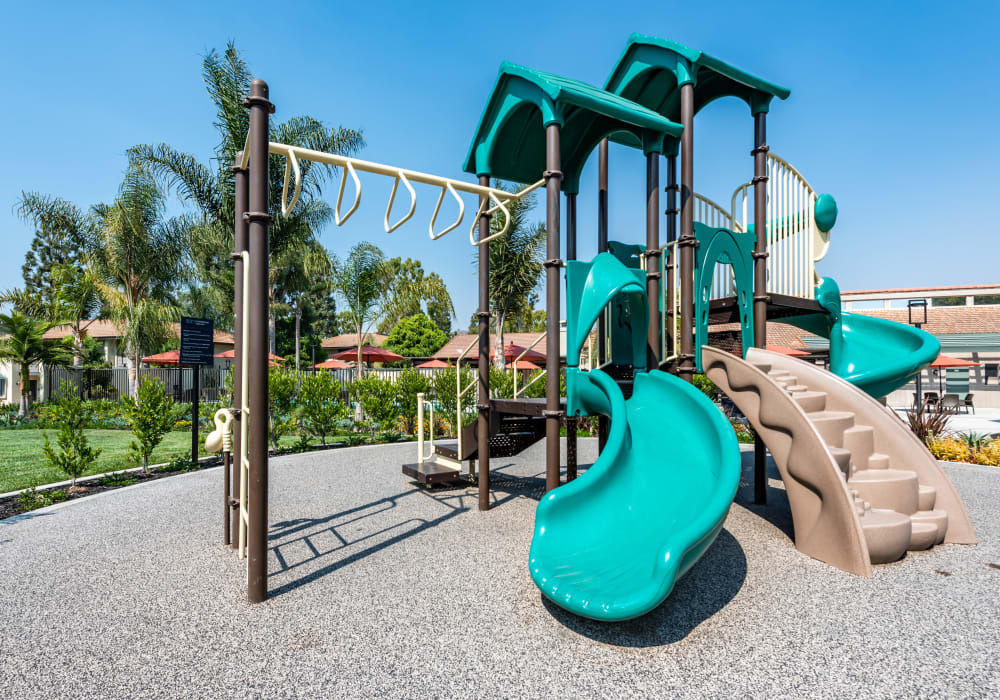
pixel 383 589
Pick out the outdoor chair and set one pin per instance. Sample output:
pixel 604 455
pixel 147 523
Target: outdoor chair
pixel 950 401
pixel 930 398
pixel 967 404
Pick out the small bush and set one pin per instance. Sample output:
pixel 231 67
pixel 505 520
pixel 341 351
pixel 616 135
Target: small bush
pixel 71 414
pixel 705 385
pixel 989 454
pixel 151 415
pixel 929 420
pixel 949 449
pixel 33 499
pixel 282 387
pixel 319 406
pixel 743 432
pixel 117 479
pixel 378 400
pixel 408 384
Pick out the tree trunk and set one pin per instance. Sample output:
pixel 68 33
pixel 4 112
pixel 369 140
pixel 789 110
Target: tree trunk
pixel 272 334
pixel 77 346
pixel 298 330
pixel 499 361
pixel 360 338
pixel 25 383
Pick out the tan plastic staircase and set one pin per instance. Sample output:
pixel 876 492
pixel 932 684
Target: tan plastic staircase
pixel 862 488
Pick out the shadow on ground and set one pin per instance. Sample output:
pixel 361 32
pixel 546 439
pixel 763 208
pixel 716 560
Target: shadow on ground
pixel 705 590
pixel 325 538
pixel 776 511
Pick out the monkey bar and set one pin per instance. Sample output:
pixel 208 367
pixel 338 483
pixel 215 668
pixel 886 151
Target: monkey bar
pixel 293 176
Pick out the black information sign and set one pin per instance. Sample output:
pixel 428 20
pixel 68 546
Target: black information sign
pixel 197 341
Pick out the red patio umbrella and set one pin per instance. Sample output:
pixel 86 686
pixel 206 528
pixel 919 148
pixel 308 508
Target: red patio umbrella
pixel 523 364
pixel 331 364
pixel 433 364
pixel 511 352
pixel 171 357
pixel 368 354
pixel 784 350
pixel 231 354
pixel 944 361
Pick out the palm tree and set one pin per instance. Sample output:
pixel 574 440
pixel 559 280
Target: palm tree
pixel 410 290
pixel 227 78
pixel 139 262
pixel 360 281
pixel 24 343
pixel 515 265
pixel 300 269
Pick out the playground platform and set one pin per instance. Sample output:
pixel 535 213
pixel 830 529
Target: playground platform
pixel 382 589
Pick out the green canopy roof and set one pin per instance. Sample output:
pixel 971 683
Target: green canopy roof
pixel 651 70
pixel 510 139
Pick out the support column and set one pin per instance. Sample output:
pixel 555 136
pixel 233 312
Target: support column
pixel 602 246
pixel 483 429
pixel 671 264
pixel 653 336
pixel 553 267
pixel 686 243
pixel 240 244
pixel 257 344
pixel 760 281
pixel 570 255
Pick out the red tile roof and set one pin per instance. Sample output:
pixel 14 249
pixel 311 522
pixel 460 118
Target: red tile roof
pixel 921 289
pixel 350 340
pixel 454 347
pixel 100 329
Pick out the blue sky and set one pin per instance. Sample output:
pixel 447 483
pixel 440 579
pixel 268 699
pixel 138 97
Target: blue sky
pixel 893 109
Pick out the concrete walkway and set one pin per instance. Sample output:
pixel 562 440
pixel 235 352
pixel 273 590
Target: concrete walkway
pixel 381 589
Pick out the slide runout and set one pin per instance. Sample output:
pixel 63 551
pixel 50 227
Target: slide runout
pixel 889 444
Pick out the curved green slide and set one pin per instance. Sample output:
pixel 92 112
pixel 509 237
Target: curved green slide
pixel 611 544
pixel 874 354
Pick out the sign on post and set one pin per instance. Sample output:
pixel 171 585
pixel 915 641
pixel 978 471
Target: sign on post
pixel 197 349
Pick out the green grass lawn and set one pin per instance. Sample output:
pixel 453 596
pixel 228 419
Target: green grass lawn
pixel 23 464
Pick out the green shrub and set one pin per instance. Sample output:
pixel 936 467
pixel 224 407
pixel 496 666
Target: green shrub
pixel 72 415
pixel 282 387
pixel 408 384
pixel 502 383
pixel 445 396
pixel 378 401
pixel 706 386
pixel 319 406
pixel 33 499
pixel 151 415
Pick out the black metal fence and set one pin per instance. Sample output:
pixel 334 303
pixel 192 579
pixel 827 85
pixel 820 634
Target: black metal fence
pixel 114 383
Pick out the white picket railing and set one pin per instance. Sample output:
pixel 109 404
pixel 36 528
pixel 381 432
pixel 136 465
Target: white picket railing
pixel 711 214
pixel 791 230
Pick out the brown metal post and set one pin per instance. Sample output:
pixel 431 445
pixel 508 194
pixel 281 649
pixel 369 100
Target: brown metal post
pixel 570 255
pixel 226 537
pixel 553 266
pixel 653 258
pixel 687 242
pixel 602 246
pixel 241 243
pixel 671 264
pixel 483 429
pixel 760 281
pixel 257 344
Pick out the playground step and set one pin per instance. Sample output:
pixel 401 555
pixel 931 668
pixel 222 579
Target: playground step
pixel 796 388
pixel 843 459
pixel 887 488
pixel 923 535
pixel 939 518
pixel 860 440
pixel 887 534
pixel 831 425
pixel 764 367
pixel 877 460
pixel 431 472
pixel 926 497
pixel 811 401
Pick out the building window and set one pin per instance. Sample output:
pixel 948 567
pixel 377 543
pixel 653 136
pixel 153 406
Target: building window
pixel 3 387
pixel 991 370
pixel 949 301
pixel 983 299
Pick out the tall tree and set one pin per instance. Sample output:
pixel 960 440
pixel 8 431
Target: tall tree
pixel 24 344
pixel 515 265
pixel 414 291
pixel 360 282
pixel 62 233
pixel 209 188
pixel 301 269
pixel 140 264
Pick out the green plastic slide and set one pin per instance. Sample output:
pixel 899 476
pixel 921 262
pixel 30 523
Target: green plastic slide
pixel 874 354
pixel 611 544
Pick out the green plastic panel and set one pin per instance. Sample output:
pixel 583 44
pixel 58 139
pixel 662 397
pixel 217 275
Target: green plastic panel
pixel 720 245
pixel 510 139
pixel 651 70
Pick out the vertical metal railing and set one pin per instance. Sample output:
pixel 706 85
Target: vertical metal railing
pixel 791 229
pixel 421 403
pixel 244 456
pixel 461 391
pixel 517 391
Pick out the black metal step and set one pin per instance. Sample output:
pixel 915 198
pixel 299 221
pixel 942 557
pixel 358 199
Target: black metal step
pixel 431 473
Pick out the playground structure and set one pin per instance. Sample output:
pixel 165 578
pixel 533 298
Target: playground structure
pixel 611 544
